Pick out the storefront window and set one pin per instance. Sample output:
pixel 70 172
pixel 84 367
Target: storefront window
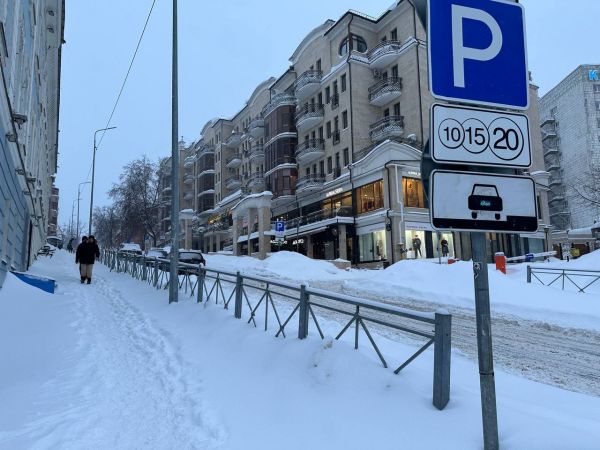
pixel 415 244
pixel 413 193
pixel 372 246
pixel 443 246
pixel 370 197
pixel 340 204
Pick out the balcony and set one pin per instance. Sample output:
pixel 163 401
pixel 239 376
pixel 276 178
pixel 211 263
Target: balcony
pixel 234 161
pixel 206 172
pixel 310 183
pixel 551 151
pixel 548 121
pixel 166 189
pixel 188 196
pixel 385 91
pixel 554 181
pixel 256 179
pixel 257 128
pixel 560 197
pixel 233 182
pixel 309 116
pixel 550 134
pixel 387 128
pixel 384 54
pixel 209 191
pixel 234 140
pixel 206 150
pixel 309 151
pixel 319 216
pixel 257 154
pixel 553 167
pixel 307 84
pixel 188 179
pixel 189 161
pixel 281 99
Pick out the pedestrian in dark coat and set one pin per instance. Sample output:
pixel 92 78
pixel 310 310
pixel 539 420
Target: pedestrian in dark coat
pixel 87 253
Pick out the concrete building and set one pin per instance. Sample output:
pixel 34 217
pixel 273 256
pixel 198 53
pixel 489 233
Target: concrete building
pixel 31 36
pixel 53 213
pixel 570 122
pixel 333 148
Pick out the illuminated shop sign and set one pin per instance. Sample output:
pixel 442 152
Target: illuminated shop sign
pixel 413 173
pixel 593 75
pixel 334 192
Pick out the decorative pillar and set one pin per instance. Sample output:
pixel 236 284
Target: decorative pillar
pixel 237 227
pixel 264 224
pixel 342 249
pixel 251 218
pixel 309 246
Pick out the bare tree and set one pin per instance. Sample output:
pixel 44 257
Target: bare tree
pixel 586 188
pixel 107 226
pixel 136 199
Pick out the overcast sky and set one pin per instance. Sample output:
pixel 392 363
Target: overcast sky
pixel 225 49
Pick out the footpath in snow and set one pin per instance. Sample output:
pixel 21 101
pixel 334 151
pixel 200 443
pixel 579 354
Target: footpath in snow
pixel 113 365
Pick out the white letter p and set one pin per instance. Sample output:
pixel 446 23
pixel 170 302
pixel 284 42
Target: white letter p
pixel 459 52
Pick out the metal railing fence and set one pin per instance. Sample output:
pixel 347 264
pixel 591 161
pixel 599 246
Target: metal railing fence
pixel 281 302
pixel 579 278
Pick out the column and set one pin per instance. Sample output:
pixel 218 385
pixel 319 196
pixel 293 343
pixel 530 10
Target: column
pixel 264 224
pixel 309 246
pixel 343 250
pixel 251 218
pixel 237 227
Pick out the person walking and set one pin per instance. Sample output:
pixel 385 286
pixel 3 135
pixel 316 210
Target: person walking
pixel 86 255
pixel 417 247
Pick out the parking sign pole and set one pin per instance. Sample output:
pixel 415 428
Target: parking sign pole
pixel 484 342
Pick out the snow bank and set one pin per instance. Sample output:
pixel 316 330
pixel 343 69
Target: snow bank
pixel 453 285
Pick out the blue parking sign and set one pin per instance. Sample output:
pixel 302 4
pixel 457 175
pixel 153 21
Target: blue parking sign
pixel 477 52
pixel 280 226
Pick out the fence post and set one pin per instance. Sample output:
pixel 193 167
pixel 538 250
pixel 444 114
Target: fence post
pixel 239 286
pixel 201 277
pixel 529 274
pixel 441 359
pixel 303 313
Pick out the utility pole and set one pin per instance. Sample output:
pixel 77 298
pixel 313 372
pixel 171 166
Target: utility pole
pixel 78 199
pixel 174 273
pixel 93 174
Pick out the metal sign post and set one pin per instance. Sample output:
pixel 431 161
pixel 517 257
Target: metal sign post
pixel 477 55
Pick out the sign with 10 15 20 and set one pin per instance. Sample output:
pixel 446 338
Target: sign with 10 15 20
pixel 482 137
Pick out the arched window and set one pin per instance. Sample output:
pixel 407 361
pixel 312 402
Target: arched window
pixel 358 44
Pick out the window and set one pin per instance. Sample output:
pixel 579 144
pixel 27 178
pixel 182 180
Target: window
pixel 598 122
pixel 320 132
pixel 308 171
pixel 397 109
pixel 318 64
pixel 597 106
pixel 395 71
pixel 596 88
pixel 356 42
pixel 315 168
pixel 327 94
pixel 337 159
pixel 345 119
pixel 413 193
pixel 369 197
pixel 335 87
pixel 343 82
pixel 329 164
pixel 320 98
pixel 346 156
pixel 336 123
pixel 322 167
pixel 383 39
pixel 394 34
pixel 386 112
pixel 328 126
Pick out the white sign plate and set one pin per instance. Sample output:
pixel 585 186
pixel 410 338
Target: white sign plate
pixel 484 202
pixel 481 137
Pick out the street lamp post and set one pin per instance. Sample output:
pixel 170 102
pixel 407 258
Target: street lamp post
pixel 72 219
pixel 79 198
pixel 93 174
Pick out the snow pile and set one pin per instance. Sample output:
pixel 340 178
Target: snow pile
pixel 453 285
pixel 288 265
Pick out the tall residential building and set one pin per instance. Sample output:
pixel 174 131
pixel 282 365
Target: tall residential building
pixel 31 36
pixel 570 121
pixel 53 213
pixel 332 147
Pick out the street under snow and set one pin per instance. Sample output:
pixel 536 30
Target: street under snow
pixel 112 365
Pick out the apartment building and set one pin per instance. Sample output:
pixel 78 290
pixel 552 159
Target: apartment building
pixel 333 148
pixel 53 213
pixel 570 122
pixel 31 36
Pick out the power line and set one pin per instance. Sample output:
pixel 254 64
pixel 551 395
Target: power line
pixel 125 79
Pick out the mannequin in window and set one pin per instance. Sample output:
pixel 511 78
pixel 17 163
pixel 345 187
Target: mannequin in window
pixel 417 247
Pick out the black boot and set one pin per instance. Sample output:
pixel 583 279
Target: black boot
pixel 82 280
pixel 89 280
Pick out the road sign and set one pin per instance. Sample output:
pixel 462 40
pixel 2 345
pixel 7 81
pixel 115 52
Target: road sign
pixel 477 52
pixel 482 201
pixel 280 228
pixel 482 137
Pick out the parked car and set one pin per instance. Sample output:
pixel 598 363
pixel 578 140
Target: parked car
pixel 130 248
pixel 154 254
pixel 191 257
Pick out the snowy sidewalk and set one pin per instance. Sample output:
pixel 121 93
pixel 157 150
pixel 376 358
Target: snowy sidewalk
pixel 112 365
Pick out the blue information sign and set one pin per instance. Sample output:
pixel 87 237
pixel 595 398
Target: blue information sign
pixel 280 226
pixel 477 52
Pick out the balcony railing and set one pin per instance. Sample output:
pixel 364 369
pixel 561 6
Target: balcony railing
pixel 387 128
pixel 256 128
pixel 281 99
pixel 206 149
pixel 310 150
pixel 308 83
pixel 318 216
pixel 234 139
pixel 256 179
pixel 310 182
pixel 189 161
pixel 385 91
pixel 257 153
pixel 234 161
pixel 188 179
pixel 383 54
pixel 233 182
pixel 307 116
